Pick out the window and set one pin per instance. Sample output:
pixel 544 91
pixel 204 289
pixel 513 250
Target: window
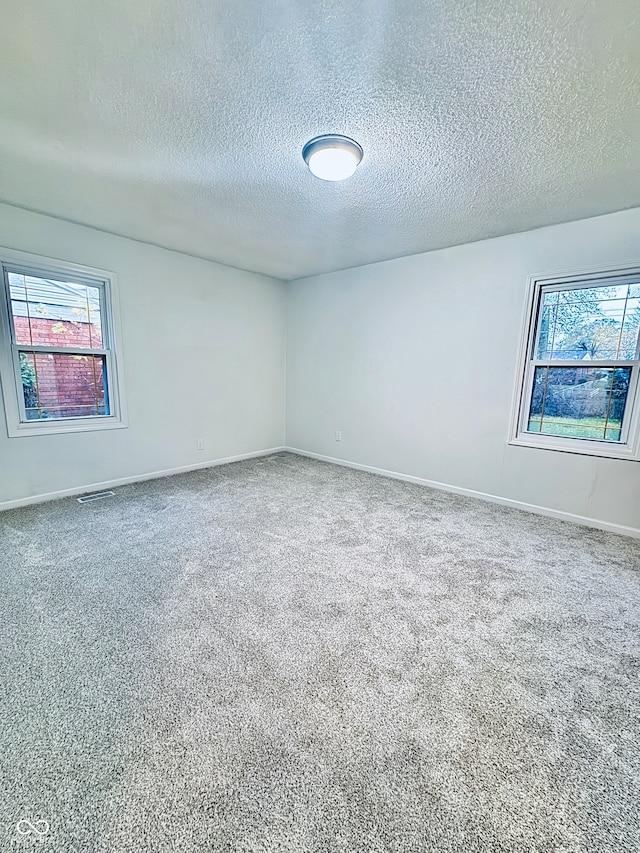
pixel 579 382
pixel 57 359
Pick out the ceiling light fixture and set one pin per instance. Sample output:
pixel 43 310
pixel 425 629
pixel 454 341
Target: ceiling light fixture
pixel 332 157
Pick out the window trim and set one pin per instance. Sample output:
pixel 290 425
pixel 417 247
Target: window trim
pixel 629 447
pixel 10 376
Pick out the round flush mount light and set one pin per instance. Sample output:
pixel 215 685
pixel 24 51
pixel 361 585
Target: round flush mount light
pixel 332 157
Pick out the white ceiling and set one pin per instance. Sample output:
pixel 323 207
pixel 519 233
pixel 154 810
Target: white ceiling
pixel 181 122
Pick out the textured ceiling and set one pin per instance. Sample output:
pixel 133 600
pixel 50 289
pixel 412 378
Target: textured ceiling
pixel 181 122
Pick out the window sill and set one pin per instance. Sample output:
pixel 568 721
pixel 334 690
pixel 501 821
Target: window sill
pixel 584 448
pixel 53 427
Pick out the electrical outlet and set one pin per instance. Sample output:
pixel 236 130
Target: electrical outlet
pixel 200 444
pixel 338 435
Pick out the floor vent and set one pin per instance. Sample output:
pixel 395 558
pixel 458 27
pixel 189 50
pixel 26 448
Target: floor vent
pixel 95 497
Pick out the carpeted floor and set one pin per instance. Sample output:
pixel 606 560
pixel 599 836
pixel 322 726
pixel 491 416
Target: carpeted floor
pixel 283 655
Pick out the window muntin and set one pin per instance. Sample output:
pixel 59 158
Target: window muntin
pixel 59 357
pixel 582 365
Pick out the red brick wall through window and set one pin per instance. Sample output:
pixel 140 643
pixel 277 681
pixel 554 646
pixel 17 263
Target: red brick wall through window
pixel 67 385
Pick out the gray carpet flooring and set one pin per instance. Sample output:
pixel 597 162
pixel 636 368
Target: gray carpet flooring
pixel 283 655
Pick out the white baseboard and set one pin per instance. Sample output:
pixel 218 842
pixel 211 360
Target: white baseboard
pixel 609 526
pixel 136 478
pixel 433 484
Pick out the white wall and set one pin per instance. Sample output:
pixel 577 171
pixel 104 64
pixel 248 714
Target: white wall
pixel 414 360
pixel 203 357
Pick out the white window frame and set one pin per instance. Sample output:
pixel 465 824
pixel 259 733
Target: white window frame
pixel 10 375
pixel 629 445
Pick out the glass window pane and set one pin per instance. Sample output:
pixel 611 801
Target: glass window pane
pixel 631 329
pixel 579 402
pixel 55 313
pixel 547 326
pixel 56 385
pixel 591 323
